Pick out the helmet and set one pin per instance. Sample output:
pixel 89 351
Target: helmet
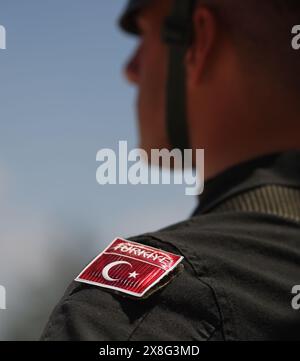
pixel 127 21
pixel 177 33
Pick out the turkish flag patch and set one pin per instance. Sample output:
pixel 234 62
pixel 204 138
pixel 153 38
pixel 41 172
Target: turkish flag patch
pixel 131 268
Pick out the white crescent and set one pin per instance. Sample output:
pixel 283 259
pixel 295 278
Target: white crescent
pixel 108 267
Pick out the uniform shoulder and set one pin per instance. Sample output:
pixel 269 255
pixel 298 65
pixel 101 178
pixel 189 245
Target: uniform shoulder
pixel 242 256
pixel 210 233
pixel 89 312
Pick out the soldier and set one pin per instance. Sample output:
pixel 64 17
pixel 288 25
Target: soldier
pixel 227 273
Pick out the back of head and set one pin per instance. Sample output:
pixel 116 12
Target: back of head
pixel 262 31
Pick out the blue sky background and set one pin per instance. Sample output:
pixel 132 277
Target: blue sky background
pixel 62 98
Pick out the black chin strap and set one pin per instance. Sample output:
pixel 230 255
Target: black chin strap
pixel 178 34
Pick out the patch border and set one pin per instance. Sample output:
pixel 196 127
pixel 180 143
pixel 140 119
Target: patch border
pixel 121 290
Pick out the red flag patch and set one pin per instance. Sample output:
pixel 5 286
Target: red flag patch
pixel 130 268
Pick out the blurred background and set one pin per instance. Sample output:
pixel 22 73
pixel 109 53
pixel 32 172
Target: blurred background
pixel 62 98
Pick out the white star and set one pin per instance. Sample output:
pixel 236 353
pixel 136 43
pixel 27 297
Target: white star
pixel 133 275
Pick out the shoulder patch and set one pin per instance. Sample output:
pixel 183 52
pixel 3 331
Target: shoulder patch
pixel 131 268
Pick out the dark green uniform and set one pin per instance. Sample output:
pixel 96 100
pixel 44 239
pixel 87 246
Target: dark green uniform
pixel 241 253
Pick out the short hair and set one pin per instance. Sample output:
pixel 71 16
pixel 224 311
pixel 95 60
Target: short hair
pixel 262 29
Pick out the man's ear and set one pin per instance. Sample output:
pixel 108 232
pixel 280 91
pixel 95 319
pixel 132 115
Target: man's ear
pixel 205 38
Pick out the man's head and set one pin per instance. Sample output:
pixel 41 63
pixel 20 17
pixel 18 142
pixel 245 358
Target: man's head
pixel 242 78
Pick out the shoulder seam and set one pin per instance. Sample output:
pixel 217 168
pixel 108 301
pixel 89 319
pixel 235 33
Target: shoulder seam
pixel 198 278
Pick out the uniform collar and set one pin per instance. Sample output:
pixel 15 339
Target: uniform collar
pixel 272 169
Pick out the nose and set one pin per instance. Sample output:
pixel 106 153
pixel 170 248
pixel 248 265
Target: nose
pixel 132 68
